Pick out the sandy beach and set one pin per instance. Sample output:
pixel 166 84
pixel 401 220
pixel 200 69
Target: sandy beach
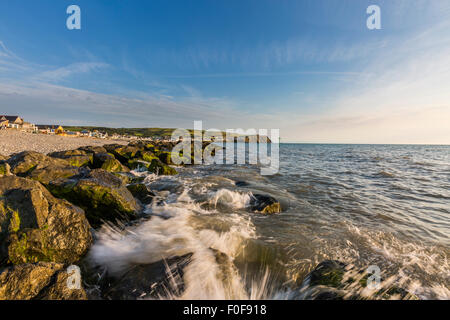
pixel 13 141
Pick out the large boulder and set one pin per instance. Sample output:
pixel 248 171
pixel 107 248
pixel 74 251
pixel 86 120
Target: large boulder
pixel 158 167
pixel 38 166
pixel 108 162
pixel 35 226
pixel 101 194
pixel 125 153
pixel 264 204
pixel 43 280
pixel 147 156
pixel 75 158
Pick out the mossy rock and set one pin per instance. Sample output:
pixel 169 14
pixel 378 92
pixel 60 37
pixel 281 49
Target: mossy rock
pixel 328 273
pixel 138 165
pixel 35 226
pixel 101 194
pixel 5 169
pixel 38 166
pixel 126 153
pixel 165 157
pixel 40 281
pixel 108 162
pixel 75 158
pixel 93 149
pixel 264 204
pixel 147 156
pixel 156 166
pixel 141 192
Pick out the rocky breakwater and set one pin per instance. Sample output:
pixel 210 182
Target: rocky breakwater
pixel 49 205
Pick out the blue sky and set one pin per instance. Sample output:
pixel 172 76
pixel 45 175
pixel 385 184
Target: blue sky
pixel 310 68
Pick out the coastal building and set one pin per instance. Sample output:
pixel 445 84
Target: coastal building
pixel 85 133
pixel 14 122
pixel 29 127
pixel 50 129
pixel 3 122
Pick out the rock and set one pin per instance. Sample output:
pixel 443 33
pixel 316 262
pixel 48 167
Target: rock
pixel 101 194
pixel 164 156
pixel 328 273
pixel 111 147
pixel 3 158
pixel 40 167
pixel 141 192
pixel 150 280
pixel 125 153
pixel 42 280
pixel 35 226
pixel 5 169
pixel 108 162
pixel 156 166
pixel 75 158
pixel 93 149
pixel 334 280
pixel 147 156
pixel 264 204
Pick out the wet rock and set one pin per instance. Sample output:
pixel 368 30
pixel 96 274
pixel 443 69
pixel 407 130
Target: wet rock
pixel 101 194
pixel 75 158
pixel 334 280
pixel 241 184
pixel 160 279
pixel 141 192
pixel 35 226
pixel 47 281
pixel 156 166
pixel 264 204
pixel 108 162
pixel 226 267
pixel 328 273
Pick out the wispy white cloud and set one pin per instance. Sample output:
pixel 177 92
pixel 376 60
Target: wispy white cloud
pixel 72 69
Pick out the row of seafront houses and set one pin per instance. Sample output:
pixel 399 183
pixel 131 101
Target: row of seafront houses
pixel 16 122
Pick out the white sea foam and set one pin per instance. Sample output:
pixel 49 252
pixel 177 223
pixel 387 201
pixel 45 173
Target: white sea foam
pixel 232 199
pixel 159 239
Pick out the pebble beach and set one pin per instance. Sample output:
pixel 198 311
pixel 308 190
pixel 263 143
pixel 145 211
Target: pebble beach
pixel 13 141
